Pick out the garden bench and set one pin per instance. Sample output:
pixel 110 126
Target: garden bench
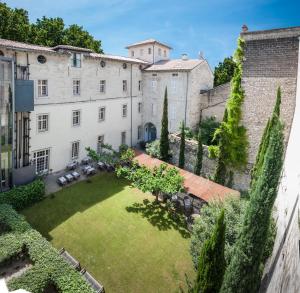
pixel 70 259
pixel 92 281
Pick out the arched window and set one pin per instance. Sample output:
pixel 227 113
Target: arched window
pixel 1 53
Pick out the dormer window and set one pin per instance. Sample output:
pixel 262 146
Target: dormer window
pixel 165 53
pixel 149 51
pixel 132 53
pixel 76 60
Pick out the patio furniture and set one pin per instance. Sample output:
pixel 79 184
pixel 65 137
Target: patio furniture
pixel 86 168
pixel 69 177
pixel 70 259
pixel 110 168
pixel 61 181
pixel 86 161
pixel 92 281
pixel 101 165
pixel 187 203
pixel 75 174
pixel 72 166
pixel 91 171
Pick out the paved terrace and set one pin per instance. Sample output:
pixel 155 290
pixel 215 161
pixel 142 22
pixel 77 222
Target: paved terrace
pixel 196 185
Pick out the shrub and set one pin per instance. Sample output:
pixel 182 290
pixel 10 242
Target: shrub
pixel 23 196
pixel 153 149
pixel 208 127
pixel 48 266
pixel 122 148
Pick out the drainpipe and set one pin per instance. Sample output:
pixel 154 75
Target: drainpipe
pixel 186 96
pixel 131 105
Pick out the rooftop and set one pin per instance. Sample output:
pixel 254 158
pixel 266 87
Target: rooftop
pixel 149 41
pixel 198 186
pixel 175 64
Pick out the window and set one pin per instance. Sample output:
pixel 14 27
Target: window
pixel 140 85
pixel 124 110
pixel 76 118
pixel 76 87
pixel 159 51
pixel 141 52
pixel 149 51
pixel 165 53
pixel 41 161
pixel 41 59
pixel 102 86
pixel 1 53
pixel 154 84
pixel 76 60
pixel 139 132
pixel 123 137
pixel 101 114
pixel 75 150
pixel 100 142
pixel 140 105
pixel 132 53
pixel 43 88
pixel 124 85
pixel 43 122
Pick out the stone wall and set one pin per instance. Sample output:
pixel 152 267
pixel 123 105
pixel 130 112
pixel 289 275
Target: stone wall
pixel 241 179
pixel 213 102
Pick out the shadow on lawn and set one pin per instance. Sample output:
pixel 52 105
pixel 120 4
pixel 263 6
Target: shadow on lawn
pixel 159 216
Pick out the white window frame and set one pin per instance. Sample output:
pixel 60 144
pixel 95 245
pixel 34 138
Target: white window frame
pixel 102 86
pixel 41 159
pixel 76 114
pixel 165 53
pixel 154 84
pixel 43 122
pixel 149 51
pixel 76 60
pixel 101 114
pixel 123 137
pixel 100 141
pixel 75 150
pixel 124 85
pixel 76 87
pixel 140 107
pixel 124 110
pixel 42 88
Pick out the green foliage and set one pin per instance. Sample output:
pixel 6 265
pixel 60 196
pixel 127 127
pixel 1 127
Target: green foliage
pixel 211 265
pixel 23 196
pixel 231 135
pixel 48 266
pixel 94 156
pixel 159 180
pixel 235 209
pixel 224 71
pixel 199 157
pixel 188 133
pixel 164 135
pixel 123 148
pixel 208 127
pixel 153 149
pixel 244 271
pixel 265 140
pixel 182 147
pixel 127 156
pixel 15 25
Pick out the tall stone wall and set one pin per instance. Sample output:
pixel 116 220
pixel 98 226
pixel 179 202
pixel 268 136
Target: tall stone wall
pixel 241 179
pixel 213 102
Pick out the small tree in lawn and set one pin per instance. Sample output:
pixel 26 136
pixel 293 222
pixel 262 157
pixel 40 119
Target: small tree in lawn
pixel 211 265
pixel 164 135
pixel 182 146
pixel 161 179
pixel 199 158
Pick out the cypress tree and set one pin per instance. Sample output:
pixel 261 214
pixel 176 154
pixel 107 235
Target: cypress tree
pixel 265 139
pixel 211 266
pixel 164 136
pixel 182 146
pixel 244 272
pixel 199 158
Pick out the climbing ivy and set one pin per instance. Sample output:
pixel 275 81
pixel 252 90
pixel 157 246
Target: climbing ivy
pixel 231 151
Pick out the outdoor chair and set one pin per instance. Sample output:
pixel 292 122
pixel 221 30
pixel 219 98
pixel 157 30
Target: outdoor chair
pixel 101 165
pixel 85 161
pixel 62 181
pixel 69 177
pixel 75 175
pixel 90 171
pixel 72 166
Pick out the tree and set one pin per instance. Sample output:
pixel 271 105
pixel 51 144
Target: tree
pixel 161 179
pixel 231 151
pixel 199 157
pixel 265 139
pixel 211 265
pixel 244 271
pixel 182 146
pixel 224 71
pixel 164 135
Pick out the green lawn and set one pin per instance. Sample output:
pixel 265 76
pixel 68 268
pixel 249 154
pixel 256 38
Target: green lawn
pixel 117 233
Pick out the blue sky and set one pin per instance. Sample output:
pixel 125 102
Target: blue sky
pixel 188 26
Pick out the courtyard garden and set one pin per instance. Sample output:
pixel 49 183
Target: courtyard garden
pixel 127 241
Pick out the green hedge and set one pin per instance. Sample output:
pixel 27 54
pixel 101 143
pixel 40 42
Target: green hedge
pixel 48 265
pixel 24 196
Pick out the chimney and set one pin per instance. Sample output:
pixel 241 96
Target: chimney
pixel 244 28
pixel 184 57
pixel 200 55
